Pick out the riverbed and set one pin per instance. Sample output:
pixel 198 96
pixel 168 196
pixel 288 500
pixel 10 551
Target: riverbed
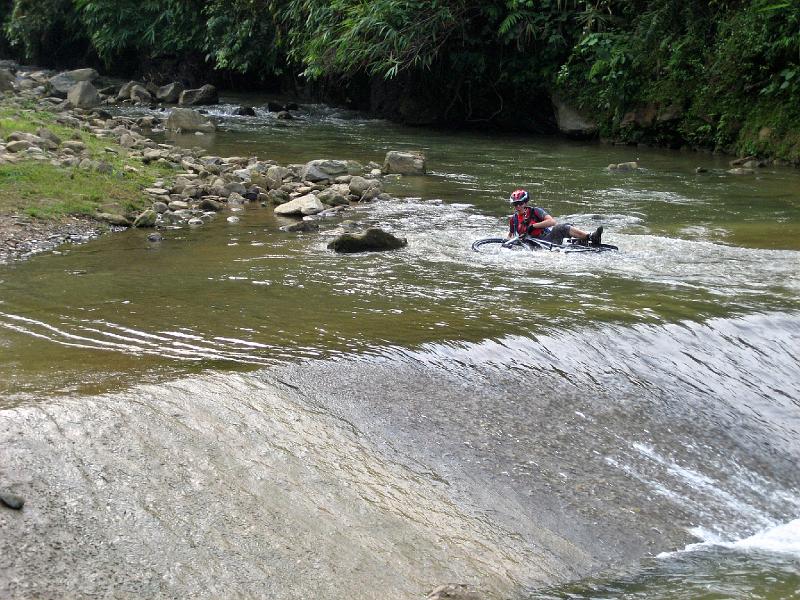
pixel 237 411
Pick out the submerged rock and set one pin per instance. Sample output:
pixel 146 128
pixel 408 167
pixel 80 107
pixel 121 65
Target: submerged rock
pixel 624 167
pixel 372 240
pixel 301 226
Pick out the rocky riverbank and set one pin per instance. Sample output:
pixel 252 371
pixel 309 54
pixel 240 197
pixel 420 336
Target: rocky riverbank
pixel 187 187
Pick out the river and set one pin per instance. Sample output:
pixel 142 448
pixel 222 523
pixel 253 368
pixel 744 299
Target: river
pixel 236 411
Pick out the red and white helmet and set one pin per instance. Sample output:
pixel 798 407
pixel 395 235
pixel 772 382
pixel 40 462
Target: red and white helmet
pixel 518 196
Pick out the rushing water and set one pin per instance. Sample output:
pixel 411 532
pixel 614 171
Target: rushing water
pixel 573 412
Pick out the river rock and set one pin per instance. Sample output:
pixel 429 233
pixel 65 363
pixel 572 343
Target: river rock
pixel 404 163
pixel 276 175
pixel 46 134
pixel 235 187
pixel 74 145
pixel 187 119
pixel 624 167
pixel 61 84
pixel 170 93
pixel 203 95
pixel 7 80
pixel 178 205
pixel 323 170
pixel 18 146
pixel 83 74
pixel 332 197
pixel 358 185
pixel 278 196
pixel 83 95
pixel 301 226
pixel 371 193
pixel 209 204
pixel 141 95
pixel 571 122
pixel 244 111
pixel 372 240
pixel 125 91
pixel 146 219
pixel 455 591
pixel 113 219
pixel 304 205
pixel 11 500
pixel 643 116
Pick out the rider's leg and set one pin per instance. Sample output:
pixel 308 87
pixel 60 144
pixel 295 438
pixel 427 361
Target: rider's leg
pixel 591 238
pixel 577 233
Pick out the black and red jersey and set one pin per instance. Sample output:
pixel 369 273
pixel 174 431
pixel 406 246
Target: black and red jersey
pixel 520 222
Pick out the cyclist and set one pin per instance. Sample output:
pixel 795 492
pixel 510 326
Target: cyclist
pixel 536 222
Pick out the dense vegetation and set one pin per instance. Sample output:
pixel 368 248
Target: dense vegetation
pixel 719 74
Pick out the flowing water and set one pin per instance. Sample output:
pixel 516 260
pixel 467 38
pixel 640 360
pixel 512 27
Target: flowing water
pixel 540 425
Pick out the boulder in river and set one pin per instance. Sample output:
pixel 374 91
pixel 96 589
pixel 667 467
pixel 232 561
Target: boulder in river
pixel 244 111
pixel 125 91
pixel 304 205
pixel 323 170
pixel 141 95
pixel 187 119
pixel 624 167
pixel 404 163
pixel 372 240
pixel 170 93
pixel 203 95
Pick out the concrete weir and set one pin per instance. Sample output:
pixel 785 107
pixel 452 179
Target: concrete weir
pixel 228 486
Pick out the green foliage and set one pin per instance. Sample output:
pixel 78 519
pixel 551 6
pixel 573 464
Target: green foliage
pixel 147 27
pixel 243 36
pixel 381 37
pixel 41 28
pixel 716 61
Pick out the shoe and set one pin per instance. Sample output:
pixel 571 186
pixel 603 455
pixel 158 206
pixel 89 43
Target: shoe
pixel 581 241
pixel 594 238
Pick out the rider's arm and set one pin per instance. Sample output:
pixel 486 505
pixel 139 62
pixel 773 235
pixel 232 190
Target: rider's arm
pixel 545 220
